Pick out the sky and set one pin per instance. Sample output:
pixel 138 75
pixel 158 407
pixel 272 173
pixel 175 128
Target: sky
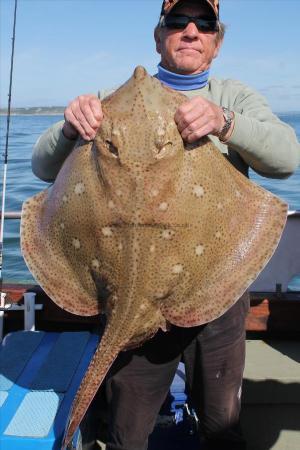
pixel 65 48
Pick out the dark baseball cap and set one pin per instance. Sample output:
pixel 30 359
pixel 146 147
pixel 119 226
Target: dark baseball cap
pixel 168 5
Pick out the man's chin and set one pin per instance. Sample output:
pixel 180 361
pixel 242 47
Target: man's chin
pixel 187 70
pixel 184 66
pixel 188 66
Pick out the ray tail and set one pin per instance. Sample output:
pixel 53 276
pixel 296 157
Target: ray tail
pixel 103 358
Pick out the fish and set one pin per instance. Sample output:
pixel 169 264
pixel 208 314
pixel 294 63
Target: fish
pixel 146 229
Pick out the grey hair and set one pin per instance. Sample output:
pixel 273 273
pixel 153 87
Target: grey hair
pixel 221 31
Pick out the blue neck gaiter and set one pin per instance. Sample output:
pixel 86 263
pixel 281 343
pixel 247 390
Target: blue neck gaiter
pixel 182 82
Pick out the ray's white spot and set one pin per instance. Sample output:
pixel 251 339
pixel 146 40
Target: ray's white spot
pixel 198 191
pixel 76 243
pixel 107 231
pixel 154 192
pixel 219 206
pixel 111 204
pixel 62 225
pixel 136 316
pixel 167 234
pixel 152 248
pixel 199 250
pixel 178 268
pixel 120 246
pixel 143 306
pixel 163 206
pixel 119 192
pixel 238 194
pixel 218 234
pixel 95 264
pixel 65 199
pixel 79 188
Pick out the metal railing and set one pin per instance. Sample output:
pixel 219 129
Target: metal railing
pixel 12 215
pixel 17 214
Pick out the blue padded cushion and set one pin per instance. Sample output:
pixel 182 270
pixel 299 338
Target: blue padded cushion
pixel 3 397
pixel 30 419
pixel 57 371
pixel 15 351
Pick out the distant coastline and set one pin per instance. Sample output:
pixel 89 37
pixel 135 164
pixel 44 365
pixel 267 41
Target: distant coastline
pixel 59 111
pixel 35 111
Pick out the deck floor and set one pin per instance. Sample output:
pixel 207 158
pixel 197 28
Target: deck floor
pixel 270 402
pixel 271 395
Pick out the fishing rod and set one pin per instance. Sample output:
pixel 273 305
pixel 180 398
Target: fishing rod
pixel 6 148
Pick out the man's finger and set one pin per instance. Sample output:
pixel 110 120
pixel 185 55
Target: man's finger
pixel 191 111
pixel 191 104
pixel 81 125
pixel 189 118
pixel 87 117
pixel 197 134
pixel 195 130
pixel 182 110
pixel 95 105
pixel 193 127
pixel 89 131
pixel 83 111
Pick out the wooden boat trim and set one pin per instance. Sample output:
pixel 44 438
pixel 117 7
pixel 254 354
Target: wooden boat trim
pixel 269 312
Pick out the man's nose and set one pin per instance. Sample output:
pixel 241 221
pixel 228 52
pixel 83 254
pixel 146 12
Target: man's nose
pixel 191 30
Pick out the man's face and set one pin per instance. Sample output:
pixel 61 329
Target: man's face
pixel 187 51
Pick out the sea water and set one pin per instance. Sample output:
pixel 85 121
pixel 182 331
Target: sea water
pixel 21 184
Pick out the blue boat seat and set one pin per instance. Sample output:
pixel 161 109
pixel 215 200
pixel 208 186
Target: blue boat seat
pixel 39 375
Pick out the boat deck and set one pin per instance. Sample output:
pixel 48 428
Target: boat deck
pixel 271 394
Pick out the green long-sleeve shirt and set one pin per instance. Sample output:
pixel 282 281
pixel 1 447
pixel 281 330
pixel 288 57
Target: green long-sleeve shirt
pixel 259 139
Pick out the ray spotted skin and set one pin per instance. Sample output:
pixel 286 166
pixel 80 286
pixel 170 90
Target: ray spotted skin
pixel 146 229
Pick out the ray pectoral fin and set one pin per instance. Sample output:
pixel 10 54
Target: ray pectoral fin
pixel 104 357
pixel 45 256
pixel 221 281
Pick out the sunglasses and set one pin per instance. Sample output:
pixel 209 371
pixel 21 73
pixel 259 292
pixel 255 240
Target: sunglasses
pixel 181 22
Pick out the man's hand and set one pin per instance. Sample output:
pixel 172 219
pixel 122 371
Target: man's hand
pixel 199 117
pixel 83 116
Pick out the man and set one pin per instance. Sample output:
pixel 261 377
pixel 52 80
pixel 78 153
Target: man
pixel 240 123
